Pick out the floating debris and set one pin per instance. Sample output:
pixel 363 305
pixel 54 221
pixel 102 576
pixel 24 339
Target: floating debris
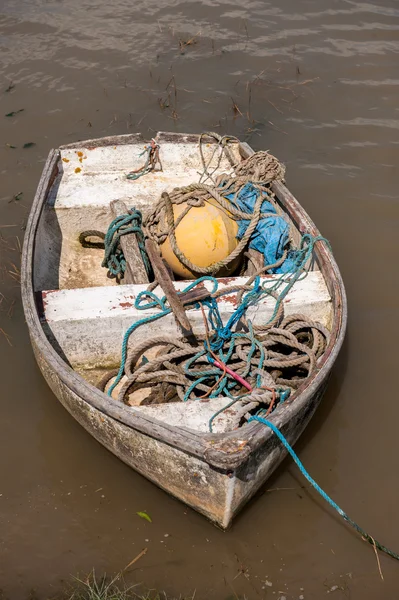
pixel 145 516
pixel 16 197
pixel 14 112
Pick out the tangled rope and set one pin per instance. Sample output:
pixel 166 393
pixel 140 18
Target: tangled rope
pixel 196 195
pixel 276 361
pixel 256 364
pixel 261 166
pixel 260 170
pixel 241 360
pixel 114 259
pixel 151 162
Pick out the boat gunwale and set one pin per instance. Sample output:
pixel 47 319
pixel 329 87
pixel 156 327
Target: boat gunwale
pixel 223 451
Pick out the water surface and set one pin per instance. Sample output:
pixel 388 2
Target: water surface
pixel 316 82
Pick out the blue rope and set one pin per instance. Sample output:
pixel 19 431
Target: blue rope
pixel 304 253
pixel 322 493
pixel 146 168
pixel 223 334
pixel 153 303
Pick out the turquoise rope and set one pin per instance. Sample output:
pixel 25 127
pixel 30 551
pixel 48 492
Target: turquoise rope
pixel 223 333
pixel 304 254
pixel 318 489
pixel 155 302
pixel 114 259
pixel 283 395
pixel 144 169
pixel 164 311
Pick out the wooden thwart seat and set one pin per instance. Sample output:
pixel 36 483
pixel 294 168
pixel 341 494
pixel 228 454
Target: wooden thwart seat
pixel 89 324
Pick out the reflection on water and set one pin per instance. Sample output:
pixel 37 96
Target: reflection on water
pixel 316 82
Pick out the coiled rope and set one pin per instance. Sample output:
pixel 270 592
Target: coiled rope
pixel 271 359
pixel 114 258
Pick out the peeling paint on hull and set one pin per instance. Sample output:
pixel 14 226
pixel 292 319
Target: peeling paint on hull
pixel 217 494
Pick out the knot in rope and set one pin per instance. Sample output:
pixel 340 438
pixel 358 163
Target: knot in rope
pixel 224 333
pixel 224 191
pixel 151 151
pixel 154 301
pixel 114 258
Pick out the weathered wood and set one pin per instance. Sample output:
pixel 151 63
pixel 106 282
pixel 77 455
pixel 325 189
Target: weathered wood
pixel 135 268
pixel 162 276
pixel 256 261
pixel 169 270
pixel 111 140
pixel 195 295
pixel 104 317
pixel 245 150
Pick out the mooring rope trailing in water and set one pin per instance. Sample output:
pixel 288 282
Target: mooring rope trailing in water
pixel 367 537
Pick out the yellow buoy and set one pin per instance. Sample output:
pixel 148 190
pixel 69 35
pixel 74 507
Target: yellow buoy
pixel 205 236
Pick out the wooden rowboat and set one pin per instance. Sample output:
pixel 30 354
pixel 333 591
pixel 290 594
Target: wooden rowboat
pixel 77 317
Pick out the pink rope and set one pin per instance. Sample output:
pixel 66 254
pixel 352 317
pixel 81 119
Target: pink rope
pixel 233 374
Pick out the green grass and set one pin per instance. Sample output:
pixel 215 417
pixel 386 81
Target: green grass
pixel 93 588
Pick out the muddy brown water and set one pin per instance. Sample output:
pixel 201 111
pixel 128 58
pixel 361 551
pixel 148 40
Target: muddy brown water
pixel 315 81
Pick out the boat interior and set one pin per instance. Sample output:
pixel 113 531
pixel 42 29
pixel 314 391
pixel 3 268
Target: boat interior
pixel 84 312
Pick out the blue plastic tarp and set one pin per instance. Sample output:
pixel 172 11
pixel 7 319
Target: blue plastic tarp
pixel 272 233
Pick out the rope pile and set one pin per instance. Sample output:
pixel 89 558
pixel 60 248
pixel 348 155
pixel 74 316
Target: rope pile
pixel 256 364
pixel 259 365
pixel 260 170
pixel 278 360
pixel 259 167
